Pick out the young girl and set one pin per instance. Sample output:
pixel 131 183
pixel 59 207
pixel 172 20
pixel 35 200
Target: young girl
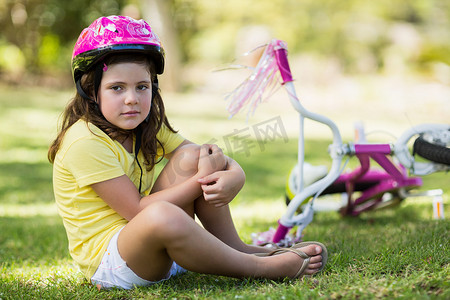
pixel 122 230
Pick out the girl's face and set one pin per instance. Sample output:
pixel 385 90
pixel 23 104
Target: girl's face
pixel 125 94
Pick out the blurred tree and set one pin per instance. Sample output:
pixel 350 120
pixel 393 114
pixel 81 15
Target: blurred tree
pixel 159 15
pixel 40 27
pixel 363 36
pixel 359 34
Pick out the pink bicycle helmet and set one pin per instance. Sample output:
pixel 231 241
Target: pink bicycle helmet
pixel 115 34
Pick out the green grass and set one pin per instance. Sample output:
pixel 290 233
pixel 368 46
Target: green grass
pixel 395 253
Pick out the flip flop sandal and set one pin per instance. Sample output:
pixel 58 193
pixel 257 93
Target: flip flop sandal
pixel 300 253
pixel 295 248
pixel 324 252
pixel 269 245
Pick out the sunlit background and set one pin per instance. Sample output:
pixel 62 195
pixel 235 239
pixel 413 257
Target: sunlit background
pixel 385 63
pixel 356 37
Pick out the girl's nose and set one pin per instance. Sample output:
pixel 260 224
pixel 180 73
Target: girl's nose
pixel 131 98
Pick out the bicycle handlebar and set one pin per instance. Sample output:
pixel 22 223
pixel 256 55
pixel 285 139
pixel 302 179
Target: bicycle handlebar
pixel 404 156
pixel 289 219
pixel 337 151
pixel 275 59
pixel 282 62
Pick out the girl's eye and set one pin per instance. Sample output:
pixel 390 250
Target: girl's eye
pixel 116 88
pixel 142 87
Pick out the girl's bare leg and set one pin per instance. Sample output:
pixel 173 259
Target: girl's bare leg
pixel 163 232
pixel 216 220
pixel 182 166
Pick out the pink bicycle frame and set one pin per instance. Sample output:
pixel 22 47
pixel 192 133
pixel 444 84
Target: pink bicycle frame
pixel 394 177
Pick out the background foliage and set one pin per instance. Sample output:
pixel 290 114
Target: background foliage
pixel 400 47
pixel 360 36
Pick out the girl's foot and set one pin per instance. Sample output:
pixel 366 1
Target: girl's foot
pixel 313 257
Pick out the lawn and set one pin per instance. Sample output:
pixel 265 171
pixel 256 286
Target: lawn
pixel 395 253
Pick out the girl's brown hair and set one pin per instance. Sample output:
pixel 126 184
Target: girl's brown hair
pixel 80 108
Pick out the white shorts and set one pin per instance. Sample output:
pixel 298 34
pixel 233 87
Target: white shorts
pixel 114 272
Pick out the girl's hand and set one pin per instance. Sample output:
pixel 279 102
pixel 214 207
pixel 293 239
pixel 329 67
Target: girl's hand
pixel 221 187
pixel 211 160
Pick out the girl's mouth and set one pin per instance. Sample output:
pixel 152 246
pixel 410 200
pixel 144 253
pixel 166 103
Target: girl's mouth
pixel 131 113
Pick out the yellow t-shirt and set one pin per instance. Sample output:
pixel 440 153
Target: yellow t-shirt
pixel 87 156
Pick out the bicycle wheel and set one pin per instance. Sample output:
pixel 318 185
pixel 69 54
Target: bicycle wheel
pixel 434 148
pixel 312 174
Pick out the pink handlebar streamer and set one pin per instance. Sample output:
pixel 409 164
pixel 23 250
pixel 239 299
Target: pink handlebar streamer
pixel 283 64
pixel 265 79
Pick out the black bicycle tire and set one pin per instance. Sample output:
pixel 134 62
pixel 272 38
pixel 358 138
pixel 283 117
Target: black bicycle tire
pixel 436 153
pixel 338 188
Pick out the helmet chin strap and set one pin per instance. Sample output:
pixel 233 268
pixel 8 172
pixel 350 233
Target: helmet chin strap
pixel 137 147
pixel 155 87
pixel 97 80
pixel 81 91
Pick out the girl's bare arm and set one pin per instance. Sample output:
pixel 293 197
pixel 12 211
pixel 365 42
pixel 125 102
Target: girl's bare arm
pixel 122 195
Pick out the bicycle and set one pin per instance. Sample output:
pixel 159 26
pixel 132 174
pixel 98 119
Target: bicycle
pixel 396 161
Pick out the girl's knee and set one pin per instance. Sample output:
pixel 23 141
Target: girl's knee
pixel 182 165
pixel 185 162
pixel 164 219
